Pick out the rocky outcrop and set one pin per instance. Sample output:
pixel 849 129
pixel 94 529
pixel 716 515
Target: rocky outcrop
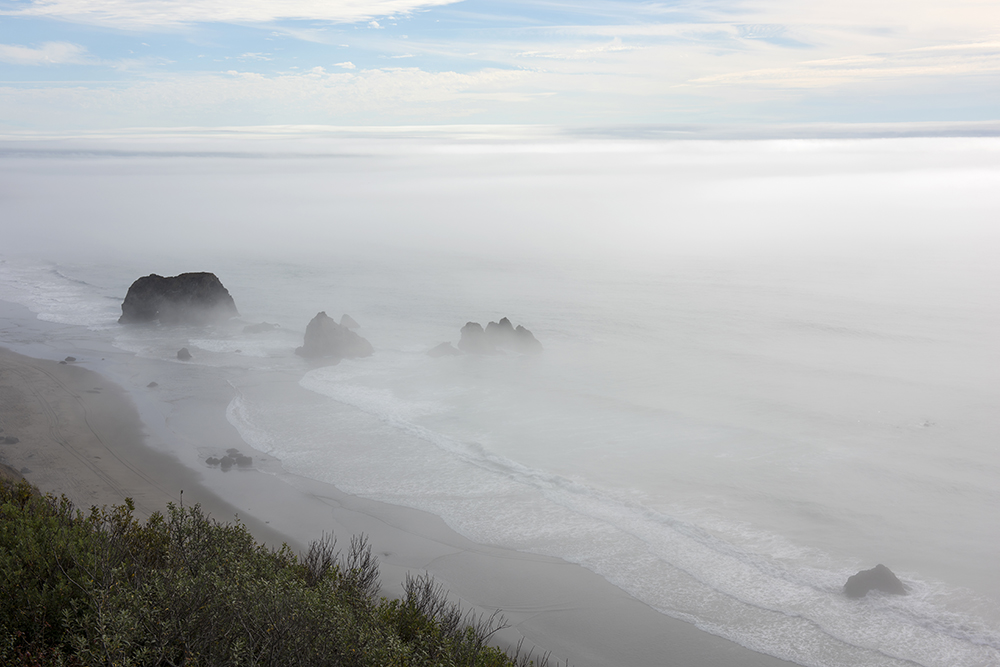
pixel 443 350
pixel 325 338
pixel 498 336
pixel 348 321
pixel 505 336
pixel 183 354
pixel 878 578
pixel 474 340
pixel 190 298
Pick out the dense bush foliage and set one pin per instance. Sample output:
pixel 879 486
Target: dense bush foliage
pixel 103 589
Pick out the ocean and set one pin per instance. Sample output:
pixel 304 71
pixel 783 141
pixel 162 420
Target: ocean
pixel 766 366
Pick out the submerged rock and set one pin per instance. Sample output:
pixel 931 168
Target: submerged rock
pixel 443 350
pixel 188 298
pixel 878 578
pixel 259 328
pixel 70 359
pixel 153 384
pixel 325 338
pixel 10 440
pixel 183 354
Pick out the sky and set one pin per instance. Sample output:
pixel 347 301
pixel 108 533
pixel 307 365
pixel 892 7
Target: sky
pixel 68 65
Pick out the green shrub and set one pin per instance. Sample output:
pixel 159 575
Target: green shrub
pixel 104 589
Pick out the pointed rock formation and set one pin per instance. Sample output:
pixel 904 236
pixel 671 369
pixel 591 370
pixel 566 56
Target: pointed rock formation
pixel 474 340
pixel 325 338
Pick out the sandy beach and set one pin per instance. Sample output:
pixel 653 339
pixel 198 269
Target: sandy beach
pixel 81 435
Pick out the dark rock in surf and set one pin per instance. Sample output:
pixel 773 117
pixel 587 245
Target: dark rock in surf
pixel 71 359
pixel 878 578
pixel 212 461
pixel 348 321
pixel 63 362
pixel 227 462
pixel 183 354
pixel 10 440
pixel 153 384
pixel 325 338
pixel 259 328
pixel 443 350
pixel 188 298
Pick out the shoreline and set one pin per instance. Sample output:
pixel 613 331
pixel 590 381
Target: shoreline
pixel 82 435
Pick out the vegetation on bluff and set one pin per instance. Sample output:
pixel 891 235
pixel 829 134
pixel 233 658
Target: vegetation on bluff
pixel 104 589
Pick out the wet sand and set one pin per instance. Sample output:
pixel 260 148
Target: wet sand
pixel 81 435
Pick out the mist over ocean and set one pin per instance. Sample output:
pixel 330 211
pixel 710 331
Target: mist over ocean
pixel 767 364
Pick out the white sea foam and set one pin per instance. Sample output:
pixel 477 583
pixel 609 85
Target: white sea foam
pixel 55 296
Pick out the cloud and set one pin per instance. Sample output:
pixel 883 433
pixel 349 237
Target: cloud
pixel 137 14
pixel 345 65
pixel 378 96
pixel 943 60
pixel 49 53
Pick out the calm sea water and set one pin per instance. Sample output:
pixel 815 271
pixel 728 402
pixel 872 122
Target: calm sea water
pixel 725 436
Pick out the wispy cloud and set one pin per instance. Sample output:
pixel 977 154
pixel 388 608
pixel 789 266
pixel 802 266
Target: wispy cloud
pixel 49 53
pixel 139 14
pixel 938 60
pixel 385 95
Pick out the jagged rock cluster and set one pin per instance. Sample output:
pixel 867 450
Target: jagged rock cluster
pixel 188 298
pixel 497 337
pixel 325 338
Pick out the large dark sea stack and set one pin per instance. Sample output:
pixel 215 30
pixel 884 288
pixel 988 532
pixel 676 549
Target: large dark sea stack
pixel 325 338
pixel 190 298
pixel 879 578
